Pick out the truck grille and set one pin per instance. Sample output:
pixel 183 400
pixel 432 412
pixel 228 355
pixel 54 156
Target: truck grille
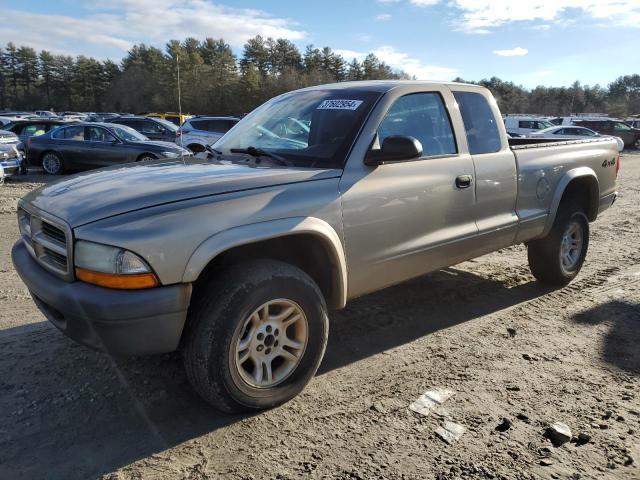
pixel 54 233
pixel 48 240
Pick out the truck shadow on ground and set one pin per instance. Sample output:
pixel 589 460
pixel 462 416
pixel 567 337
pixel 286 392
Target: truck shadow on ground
pixel 69 412
pixel 620 347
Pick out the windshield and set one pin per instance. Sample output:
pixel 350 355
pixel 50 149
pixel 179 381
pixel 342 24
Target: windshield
pixel 128 134
pixel 312 128
pixel 165 123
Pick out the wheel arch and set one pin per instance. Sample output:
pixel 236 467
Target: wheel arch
pixel 579 182
pixel 146 154
pixel 306 242
pixel 202 146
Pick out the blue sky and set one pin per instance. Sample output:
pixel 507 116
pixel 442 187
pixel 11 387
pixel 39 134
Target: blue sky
pixel 530 42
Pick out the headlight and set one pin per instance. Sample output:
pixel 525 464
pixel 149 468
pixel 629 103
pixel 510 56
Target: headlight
pixel 112 267
pixel 24 222
pixel 169 154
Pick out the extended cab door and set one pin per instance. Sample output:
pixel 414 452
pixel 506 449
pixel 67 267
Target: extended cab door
pixel 404 219
pixel 495 167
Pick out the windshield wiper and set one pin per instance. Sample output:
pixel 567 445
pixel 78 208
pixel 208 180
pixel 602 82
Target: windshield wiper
pixel 259 152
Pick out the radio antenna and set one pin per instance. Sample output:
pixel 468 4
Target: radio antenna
pixel 179 104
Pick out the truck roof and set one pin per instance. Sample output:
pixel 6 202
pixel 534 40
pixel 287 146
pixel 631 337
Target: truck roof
pixel 383 85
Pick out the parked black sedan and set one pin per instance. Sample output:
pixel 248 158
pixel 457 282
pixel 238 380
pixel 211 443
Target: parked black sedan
pixel 83 146
pixel 154 128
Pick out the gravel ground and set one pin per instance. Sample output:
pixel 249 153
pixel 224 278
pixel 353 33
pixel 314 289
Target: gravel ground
pixel 507 347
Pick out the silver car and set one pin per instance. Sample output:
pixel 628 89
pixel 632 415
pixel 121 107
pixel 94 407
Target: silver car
pixel 199 132
pixel 572 133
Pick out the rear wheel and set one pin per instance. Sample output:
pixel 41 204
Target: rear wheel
pixel 52 163
pixel 255 336
pixel 557 258
pixel 637 144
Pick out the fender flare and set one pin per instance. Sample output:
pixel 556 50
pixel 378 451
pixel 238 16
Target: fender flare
pixel 256 232
pixel 567 178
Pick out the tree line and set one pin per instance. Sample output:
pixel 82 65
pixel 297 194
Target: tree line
pixel 214 80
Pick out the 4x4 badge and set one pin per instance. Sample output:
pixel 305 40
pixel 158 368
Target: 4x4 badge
pixel 609 163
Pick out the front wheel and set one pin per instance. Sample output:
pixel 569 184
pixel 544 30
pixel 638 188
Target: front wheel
pixel 557 258
pixel 196 148
pixel 146 157
pixel 52 163
pixel 637 144
pixel 255 336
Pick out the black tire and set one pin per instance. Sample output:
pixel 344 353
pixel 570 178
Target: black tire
pixel 52 163
pixel 216 322
pixel 146 157
pixel 545 254
pixel 196 148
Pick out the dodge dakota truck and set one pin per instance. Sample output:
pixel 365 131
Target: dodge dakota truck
pixel 318 196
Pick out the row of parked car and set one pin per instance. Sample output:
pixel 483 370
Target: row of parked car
pixel 76 140
pixel 58 143
pixel 578 126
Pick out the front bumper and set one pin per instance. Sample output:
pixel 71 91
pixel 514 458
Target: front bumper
pixel 121 322
pixel 11 167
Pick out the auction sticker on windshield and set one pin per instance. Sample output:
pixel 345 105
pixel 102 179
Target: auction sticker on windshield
pixel 339 105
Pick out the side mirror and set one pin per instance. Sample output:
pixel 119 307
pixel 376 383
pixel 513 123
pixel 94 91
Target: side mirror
pixel 395 148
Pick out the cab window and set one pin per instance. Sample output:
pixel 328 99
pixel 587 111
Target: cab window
pixel 424 117
pixel 479 123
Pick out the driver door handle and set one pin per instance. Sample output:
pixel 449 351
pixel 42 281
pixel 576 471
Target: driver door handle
pixel 464 181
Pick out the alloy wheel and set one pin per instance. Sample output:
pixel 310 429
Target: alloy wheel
pixel 271 343
pixel 571 247
pixel 51 163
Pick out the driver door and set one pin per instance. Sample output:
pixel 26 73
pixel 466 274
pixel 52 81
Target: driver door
pixel 404 219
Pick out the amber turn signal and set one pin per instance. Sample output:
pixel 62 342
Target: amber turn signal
pixel 123 282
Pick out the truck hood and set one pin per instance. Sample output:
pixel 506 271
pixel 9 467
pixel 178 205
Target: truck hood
pixel 91 196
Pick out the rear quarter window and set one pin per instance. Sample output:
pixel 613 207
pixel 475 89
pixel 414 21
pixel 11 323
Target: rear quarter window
pixel 480 123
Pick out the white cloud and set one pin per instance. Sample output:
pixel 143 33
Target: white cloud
pixel 512 52
pixel 485 14
pixel 383 16
pixel 403 61
pixel 119 24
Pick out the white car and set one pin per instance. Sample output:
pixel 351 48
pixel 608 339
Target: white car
pixel 572 133
pixel 197 133
pixel 46 114
pixel 518 125
pixel 6 120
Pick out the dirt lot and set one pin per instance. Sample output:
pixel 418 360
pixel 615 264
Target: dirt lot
pixel 507 347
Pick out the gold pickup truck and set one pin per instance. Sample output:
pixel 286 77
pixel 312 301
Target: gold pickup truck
pixel 237 259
